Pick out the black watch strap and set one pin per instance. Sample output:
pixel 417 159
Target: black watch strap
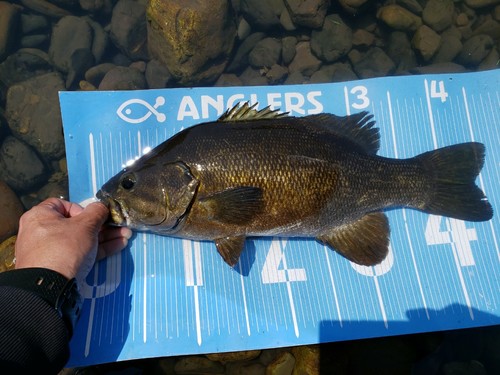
pixel 62 294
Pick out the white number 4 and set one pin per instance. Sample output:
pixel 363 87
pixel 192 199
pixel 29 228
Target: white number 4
pixel 442 94
pixel 275 268
pixel 456 234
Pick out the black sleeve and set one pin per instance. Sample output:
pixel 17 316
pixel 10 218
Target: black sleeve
pixel 33 336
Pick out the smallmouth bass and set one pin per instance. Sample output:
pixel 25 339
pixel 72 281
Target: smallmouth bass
pixel 262 173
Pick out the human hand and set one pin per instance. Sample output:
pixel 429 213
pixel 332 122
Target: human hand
pixel 67 238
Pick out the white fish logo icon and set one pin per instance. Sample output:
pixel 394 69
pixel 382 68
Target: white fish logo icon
pixel 129 109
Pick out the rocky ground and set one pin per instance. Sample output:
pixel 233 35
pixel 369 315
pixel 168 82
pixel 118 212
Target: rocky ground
pixel 48 46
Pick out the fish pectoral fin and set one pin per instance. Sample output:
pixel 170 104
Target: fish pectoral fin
pixel 234 206
pixel 364 242
pixel 230 248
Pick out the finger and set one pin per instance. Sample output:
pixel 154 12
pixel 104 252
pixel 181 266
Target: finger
pixel 96 214
pixel 61 206
pixel 110 233
pixel 111 247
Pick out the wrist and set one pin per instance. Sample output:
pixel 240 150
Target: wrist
pixel 56 289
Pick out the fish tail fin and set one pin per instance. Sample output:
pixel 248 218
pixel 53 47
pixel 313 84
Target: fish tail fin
pixel 454 170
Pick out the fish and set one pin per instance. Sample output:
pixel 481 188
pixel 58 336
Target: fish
pixel 261 172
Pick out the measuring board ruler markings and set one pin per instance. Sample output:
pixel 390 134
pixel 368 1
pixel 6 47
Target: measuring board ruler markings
pixel 167 296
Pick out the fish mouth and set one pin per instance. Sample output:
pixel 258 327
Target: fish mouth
pixel 118 213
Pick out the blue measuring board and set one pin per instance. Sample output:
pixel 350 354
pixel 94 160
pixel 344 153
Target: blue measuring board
pixel 165 296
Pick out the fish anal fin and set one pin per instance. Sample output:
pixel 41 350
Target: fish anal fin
pixel 247 112
pixel 237 205
pixel 364 242
pixel 230 248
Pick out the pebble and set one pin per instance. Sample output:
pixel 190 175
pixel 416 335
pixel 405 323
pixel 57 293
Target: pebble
pixel 481 3
pixel 307 359
pixel 95 74
pixel 375 63
pixel 197 365
pixel 262 16
pixel 123 78
pixel 333 41
pixel 438 14
pixel 157 75
pixel 283 364
pixel 401 52
pixel 9 19
pixel 11 209
pixel 449 49
pixel 307 13
pixel 7 254
pixel 288 44
pixel 33 23
pixel 399 18
pixel 266 53
pixel 244 355
pixel 128 28
pixel 426 41
pixel 240 59
pixel 474 50
pixel 20 166
pixel 304 61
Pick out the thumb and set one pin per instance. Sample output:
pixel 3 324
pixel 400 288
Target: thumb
pixel 96 214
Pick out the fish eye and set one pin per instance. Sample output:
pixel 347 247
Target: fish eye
pixel 127 182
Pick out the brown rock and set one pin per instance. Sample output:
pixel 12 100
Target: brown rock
pixel 245 355
pixel 11 209
pixel 426 41
pixel 7 254
pixel 9 16
pixel 304 61
pixel 399 18
pixel 282 365
pixel 306 360
pixel 308 13
pixel 192 38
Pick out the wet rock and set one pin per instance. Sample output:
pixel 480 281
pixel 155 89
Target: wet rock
pixel 492 61
pixel 286 20
pixel 7 254
pixel 474 50
pixel 157 75
pixel 262 16
pixel 295 78
pixel 399 18
pixel 57 186
pixel 46 8
pixel 71 47
pixel 308 13
pixel 33 41
pixel 196 54
pixel 11 209
pixel 352 5
pixel 244 29
pixel 196 365
pixel 426 41
pixel 240 59
pixel 99 41
pixel 266 53
pixel 488 27
pixel 481 3
pixel 245 355
pixel 9 24
pixel 306 359
pixel 276 75
pixel 304 61
pixel 245 368
pixel 128 28
pixel 375 63
pixel 449 49
pixel 362 38
pixel 282 365
pixel 123 78
pixel 95 74
pixel 338 72
pixel 400 51
pixel 20 166
pixel 253 77
pixel 32 111
pixel 438 14
pixel 97 6
pixel 412 5
pixel 228 79
pixel 439 68
pixel 33 23
pixel 288 45
pixel 333 41
pixel 464 368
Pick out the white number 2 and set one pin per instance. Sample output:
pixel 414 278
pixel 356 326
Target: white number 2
pixel 456 234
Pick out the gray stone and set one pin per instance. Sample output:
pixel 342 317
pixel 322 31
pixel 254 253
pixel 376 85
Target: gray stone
pixel 339 72
pixel 282 365
pixel 286 20
pixel 288 44
pixel 488 27
pixel 95 74
pixel 426 41
pixel 157 75
pixel 123 78
pixel 400 51
pixel 195 364
pixel 97 6
pixel 245 368
pixel 33 23
pixel 33 41
pixel 295 78
pixel 240 59
pixel 362 38
pixel 439 68
pixel 449 49
pixel 399 18
pixel 128 28
pixel 266 53
pixel 352 6
pixel 304 61
pixel 277 74
pixel 492 61
pixel 333 41
pixel 438 14
pixel 412 5
pixel 474 50
pixel 9 23
pixel 262 15
pixel 46 8
pixel 481 3
pixel 20 166
pixel 307 13
pixel 71 47
pixel 375 63
pixel 253 77
pixel 32 111
pixel 228 79
pixel 99 41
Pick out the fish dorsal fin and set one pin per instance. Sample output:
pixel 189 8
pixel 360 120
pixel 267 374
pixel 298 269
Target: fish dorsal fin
pixel 364 242
pixel 248 112
pixel 230 248
pixel 358 128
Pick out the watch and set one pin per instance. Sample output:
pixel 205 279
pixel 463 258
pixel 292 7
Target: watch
pixel 62 294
